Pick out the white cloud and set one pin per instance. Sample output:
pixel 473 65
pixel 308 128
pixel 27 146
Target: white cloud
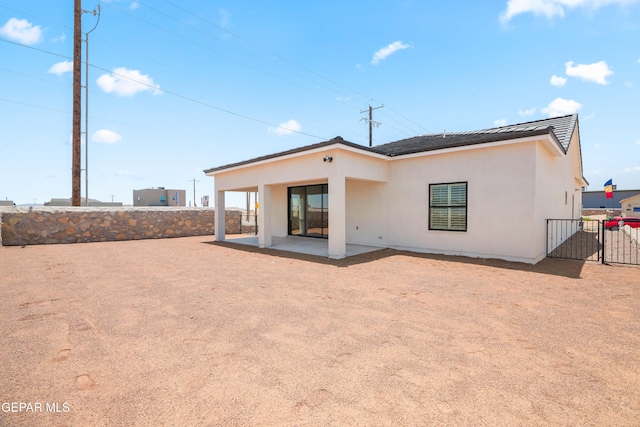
pixel 638 142
pixel 596 72
pixel 529 112
pixel 561 107
pixel 106 136
pixel 500 122
pixel 286 128
pixel 558 81
pixel 628 84
pixel 552 8
pixel 134 5
pixel 634 169
pixel 125 82
pixel 61 67
pixel 22 31
pixel 388 50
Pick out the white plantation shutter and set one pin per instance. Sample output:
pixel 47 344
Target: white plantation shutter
pixel 448 206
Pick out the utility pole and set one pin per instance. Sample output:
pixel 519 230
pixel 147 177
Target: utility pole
pixel 371 122
pixel 86 106
pixel 194 191
pixel 77 107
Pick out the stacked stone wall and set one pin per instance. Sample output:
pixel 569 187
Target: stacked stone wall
pixel 24 226
pixel 592 212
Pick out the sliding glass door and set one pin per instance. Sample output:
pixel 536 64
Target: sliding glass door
pixel 309 211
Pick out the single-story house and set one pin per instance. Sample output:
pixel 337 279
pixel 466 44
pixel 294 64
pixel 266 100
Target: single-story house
pixel 485 193
pixel 631 206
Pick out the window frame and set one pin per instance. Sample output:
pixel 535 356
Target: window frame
pixel 466 205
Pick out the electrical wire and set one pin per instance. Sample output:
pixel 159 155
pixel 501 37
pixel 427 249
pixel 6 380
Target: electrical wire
pixel 287 60
pixel 177 95
pixel 340 99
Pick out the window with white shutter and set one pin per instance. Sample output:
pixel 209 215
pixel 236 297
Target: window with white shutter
pixel 448 206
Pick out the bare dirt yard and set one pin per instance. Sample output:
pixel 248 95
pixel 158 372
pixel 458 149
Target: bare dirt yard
pixel 187 331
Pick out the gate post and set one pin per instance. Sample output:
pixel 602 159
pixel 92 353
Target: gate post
pixel 547 241
pixel 604 243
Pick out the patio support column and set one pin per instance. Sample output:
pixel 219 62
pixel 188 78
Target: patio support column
pixel 264 216
pixel 219 220
pixel 337 217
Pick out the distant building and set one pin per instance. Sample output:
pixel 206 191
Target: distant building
pixel 159 197
pixel 631 206
pixel 598 200
pixel 7 203
pixel 92 203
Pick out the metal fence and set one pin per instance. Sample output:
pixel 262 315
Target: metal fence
pixel 621 245
pixel 574 239
pixel 591 240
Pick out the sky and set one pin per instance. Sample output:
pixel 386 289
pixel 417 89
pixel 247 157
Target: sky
pixel 176 87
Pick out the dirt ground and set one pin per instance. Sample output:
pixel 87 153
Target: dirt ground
pixel 192 332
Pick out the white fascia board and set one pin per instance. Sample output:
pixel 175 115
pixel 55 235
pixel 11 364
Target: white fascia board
pixel 300 154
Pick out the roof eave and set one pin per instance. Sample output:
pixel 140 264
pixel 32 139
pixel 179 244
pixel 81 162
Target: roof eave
pixel 337 142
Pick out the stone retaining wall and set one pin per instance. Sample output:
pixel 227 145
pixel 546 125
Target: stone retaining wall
pixel 44 225
pixel 592 212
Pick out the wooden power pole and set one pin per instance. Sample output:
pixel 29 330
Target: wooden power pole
pixel 371 122
pixel 77 107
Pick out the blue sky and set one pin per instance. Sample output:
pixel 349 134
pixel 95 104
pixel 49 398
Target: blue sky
pixel 176 87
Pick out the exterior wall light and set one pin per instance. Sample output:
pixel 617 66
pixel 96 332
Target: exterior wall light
pixel 327 159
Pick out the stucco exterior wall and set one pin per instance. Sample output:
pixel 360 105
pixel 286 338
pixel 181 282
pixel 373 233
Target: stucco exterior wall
pixel 367 220
pixel 307 168
pixel 558 192
pixel 500 193
pixel 279 210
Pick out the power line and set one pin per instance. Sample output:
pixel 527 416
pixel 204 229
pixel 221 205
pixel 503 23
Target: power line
pixel 256 45
pixel 259 58
pixel 34 106
pixel 286 59
pixel 224 55
pixel 227 88
pixel 177 95
pixel 265 49
pixel 187 98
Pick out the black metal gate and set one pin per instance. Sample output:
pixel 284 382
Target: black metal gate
pixel 592 240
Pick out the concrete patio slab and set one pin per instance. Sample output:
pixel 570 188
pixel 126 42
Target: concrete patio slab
pixel 302 245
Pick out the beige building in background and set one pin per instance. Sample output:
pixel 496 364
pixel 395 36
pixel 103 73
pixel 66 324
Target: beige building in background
pixel 159 197
pixel 485 193
pixel 631 206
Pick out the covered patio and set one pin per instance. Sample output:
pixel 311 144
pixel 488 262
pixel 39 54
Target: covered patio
pixel 304 192
pixel 304 245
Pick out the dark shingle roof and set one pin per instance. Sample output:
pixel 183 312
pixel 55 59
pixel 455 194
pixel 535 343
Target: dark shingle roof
pixel 560 128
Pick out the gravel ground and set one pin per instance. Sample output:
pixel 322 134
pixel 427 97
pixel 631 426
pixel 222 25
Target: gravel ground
pixel 192 332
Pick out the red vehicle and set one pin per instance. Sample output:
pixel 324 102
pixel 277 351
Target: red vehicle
pixel 617 222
